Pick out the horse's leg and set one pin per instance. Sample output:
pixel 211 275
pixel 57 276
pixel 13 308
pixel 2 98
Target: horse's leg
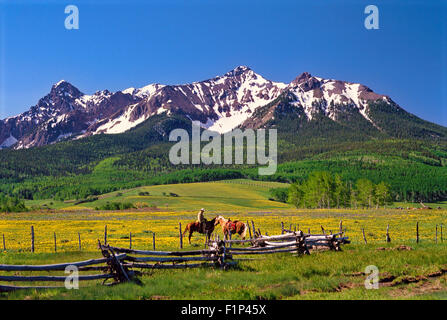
pixel 189 237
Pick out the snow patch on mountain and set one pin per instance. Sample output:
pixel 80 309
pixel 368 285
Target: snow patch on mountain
pixel 220 104
pixel 120 124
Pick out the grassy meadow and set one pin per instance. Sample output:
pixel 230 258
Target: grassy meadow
pixel 322 275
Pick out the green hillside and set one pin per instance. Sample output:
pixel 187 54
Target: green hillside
pixel 414 167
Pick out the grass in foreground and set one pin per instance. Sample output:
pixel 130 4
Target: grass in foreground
pixel 322 275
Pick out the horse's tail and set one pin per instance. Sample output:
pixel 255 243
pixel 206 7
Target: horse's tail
pixel 186 229
pixel 244 233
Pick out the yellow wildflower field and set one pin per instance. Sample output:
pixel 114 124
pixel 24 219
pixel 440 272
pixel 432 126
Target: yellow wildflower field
pixel 90 225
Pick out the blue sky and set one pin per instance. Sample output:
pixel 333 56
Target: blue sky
pixel 134 43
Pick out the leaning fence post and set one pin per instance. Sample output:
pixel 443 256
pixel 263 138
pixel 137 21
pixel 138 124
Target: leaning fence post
pixel 32 238
pixel 249 230
pixel 180 234
pixel 55 242
pixel 105 235
pixel 79 241
pixel 253 228
pixel 4 243
pixel 230 238
pixel 364 237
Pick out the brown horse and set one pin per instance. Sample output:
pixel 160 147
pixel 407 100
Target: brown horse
pixel 232 227
pixel 196 227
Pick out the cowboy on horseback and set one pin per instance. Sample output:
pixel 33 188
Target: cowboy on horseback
pixel 201 225
pixel 201 219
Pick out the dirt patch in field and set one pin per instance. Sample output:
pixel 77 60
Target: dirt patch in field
pixel 160 298
pixel 405 286
pixel 398 248
pixel 419 288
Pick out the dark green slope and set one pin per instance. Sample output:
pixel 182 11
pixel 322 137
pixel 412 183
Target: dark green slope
pixel 403 150
pixel 78 156
pixel 389 121
pixel 398 123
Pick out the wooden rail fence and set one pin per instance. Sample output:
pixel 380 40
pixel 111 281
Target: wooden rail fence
pixel 125 264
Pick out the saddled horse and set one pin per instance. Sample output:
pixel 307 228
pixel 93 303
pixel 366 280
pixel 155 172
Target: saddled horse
pixel 208 228
pixel 232 227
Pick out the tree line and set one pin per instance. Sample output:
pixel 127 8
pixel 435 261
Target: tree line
pixel 11 204
pixel 325 190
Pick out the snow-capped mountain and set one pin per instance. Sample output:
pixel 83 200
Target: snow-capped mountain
pixel 220 104
pixel 313 96
pixel 63 113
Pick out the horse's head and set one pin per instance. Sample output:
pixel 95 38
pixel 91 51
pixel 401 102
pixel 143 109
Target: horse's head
pixel 218 220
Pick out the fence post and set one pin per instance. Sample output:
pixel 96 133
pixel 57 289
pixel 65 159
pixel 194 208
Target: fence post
pixel 297 244
pixel 340 227
pixel 388 239
pixel 32 238
pixel 364 237
pixel 79 241
pixel 180 234
pixel 4 243
pixel 322 229
pixel 282 227
pixel 253 228
pixel 130 240
pixel 153 240
pixel 441 233
pixel 224 255
pixel 249 230
pixel 55 242
pixel 308 230
pixel 417 232
pixel 230 237
pixel 436 234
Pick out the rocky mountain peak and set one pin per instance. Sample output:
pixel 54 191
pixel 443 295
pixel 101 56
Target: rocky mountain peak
pixel 305 76
pixel 235 99
pixel 65 88
pixel 238 71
